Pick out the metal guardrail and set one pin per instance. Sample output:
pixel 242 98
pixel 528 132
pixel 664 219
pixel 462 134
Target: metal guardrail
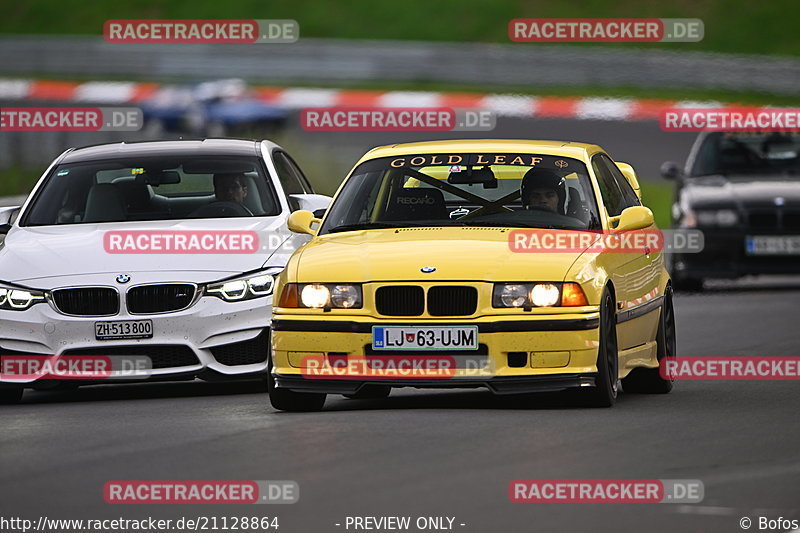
pixel 321 61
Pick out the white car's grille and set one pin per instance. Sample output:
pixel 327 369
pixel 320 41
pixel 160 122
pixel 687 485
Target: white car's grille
pixel 87 301
pixel 161 298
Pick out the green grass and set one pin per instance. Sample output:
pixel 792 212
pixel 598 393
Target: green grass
pixel 658 197
pixel 736 27
pixel 16 181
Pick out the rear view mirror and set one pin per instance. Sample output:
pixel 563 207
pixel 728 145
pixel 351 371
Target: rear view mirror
pixel 471 176
pixel 166 177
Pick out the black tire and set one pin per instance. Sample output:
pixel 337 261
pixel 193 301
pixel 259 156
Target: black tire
pixel 296 402
pixel 11 395
pixel 606 389
pixel 289 400
pixel 371 392
pixel 649 380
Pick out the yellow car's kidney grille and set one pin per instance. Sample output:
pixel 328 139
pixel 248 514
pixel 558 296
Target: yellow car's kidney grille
pixel 452 301
pixel 400 300
pixel 409 300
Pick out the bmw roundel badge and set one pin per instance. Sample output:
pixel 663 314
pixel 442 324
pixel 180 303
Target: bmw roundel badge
pixel 427 270
pixel 123 278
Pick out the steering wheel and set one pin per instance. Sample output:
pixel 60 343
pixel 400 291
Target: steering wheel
pixel 222 209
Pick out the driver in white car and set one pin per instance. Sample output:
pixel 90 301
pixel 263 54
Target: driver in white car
pixel 231 188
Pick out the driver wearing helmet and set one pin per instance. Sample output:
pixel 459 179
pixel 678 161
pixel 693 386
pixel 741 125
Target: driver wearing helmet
pixel 543 189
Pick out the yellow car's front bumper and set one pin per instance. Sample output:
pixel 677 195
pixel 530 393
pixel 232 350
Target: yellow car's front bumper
pixel 542 352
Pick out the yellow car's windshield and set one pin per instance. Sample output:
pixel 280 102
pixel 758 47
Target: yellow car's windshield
pixel 514 190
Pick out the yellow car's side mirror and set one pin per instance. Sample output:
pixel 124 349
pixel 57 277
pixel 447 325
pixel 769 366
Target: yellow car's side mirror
pixel 301 222
pixel 633 218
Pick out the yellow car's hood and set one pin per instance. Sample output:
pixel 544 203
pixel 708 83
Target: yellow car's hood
pixel 462 253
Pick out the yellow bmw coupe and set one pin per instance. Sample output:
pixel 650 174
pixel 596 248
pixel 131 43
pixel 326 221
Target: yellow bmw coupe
pixel 475 263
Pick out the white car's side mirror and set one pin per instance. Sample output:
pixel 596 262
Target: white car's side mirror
pixel 312 202
pixel 7 214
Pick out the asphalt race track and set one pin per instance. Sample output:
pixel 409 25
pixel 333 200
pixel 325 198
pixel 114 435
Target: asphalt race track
pixel 444 453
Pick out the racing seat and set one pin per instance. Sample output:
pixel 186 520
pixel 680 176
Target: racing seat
pixel 416 204
pixel 105 203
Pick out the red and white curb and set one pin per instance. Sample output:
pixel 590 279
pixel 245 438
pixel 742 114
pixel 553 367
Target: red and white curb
pixel 583 108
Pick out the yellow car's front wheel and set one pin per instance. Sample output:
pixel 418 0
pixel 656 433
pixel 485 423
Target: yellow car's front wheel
pixel 604 393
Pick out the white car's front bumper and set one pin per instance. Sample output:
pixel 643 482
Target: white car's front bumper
pixel 229 338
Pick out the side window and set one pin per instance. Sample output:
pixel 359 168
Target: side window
pixel 291 177
pixel 628 194
pixel 609 188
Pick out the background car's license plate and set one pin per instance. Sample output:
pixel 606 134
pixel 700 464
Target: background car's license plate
pixel 123 329
pixel 773 245
pixel 420 338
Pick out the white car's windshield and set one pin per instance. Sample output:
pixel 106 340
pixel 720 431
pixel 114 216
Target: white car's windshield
pixel 514 190
pixel 153 188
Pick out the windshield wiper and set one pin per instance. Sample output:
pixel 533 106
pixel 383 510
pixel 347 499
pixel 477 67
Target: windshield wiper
pixel 512 225
pixel 367 225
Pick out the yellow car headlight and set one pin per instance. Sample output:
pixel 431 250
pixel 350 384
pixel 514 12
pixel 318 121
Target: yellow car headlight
pixel 544 294
pixel 315 295
pixel 321 295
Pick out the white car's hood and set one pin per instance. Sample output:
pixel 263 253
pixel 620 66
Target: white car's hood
pixel 42 257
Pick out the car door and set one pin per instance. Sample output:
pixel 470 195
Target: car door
pixel 633 273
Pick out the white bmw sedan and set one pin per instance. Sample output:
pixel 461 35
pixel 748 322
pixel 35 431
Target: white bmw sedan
pixel 163 252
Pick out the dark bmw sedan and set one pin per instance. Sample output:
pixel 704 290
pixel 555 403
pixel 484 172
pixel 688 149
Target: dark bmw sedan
pixel 743 191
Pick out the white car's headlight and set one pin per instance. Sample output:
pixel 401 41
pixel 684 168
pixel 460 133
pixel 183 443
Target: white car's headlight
pixel 255 285
pixel 15 299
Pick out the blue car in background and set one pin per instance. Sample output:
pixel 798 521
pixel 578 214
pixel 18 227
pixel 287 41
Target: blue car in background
pixel 210 109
